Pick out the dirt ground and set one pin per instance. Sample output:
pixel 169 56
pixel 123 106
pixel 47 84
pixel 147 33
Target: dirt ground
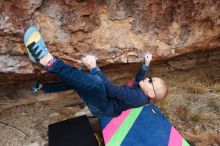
pixel 192 105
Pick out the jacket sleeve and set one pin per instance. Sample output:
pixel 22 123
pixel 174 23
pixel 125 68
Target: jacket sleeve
pixel 141 73
pixel 111 89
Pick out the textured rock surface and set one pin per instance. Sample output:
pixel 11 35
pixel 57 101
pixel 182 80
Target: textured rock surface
pixel 116 31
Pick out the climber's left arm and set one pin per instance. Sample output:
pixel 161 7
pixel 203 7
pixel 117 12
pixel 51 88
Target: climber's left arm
pixel 144 68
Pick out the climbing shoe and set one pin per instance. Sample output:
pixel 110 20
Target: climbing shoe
pixel 36 86
pixel 35 45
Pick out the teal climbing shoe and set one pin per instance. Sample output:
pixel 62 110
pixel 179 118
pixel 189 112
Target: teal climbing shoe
pixel 35 45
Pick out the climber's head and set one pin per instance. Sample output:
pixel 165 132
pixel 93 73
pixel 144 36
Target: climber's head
pixel 154 88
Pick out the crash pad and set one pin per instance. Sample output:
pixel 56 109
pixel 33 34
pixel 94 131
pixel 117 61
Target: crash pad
pixel 143 126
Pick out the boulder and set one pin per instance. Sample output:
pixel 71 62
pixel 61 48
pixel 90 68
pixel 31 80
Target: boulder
pixel 115 31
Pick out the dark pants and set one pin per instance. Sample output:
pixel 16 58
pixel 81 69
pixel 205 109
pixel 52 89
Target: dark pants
pixel 89 87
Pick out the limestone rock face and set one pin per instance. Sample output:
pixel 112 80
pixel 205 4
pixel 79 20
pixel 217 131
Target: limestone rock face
pixel 115 31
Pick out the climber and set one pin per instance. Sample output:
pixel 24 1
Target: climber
pixel 100 95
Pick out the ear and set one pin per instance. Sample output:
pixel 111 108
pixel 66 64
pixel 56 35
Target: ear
pixel 151 94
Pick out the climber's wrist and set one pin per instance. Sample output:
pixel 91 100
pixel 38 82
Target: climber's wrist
pixel 95 70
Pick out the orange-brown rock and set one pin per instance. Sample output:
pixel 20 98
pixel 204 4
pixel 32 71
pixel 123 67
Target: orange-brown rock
pixel 115 31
